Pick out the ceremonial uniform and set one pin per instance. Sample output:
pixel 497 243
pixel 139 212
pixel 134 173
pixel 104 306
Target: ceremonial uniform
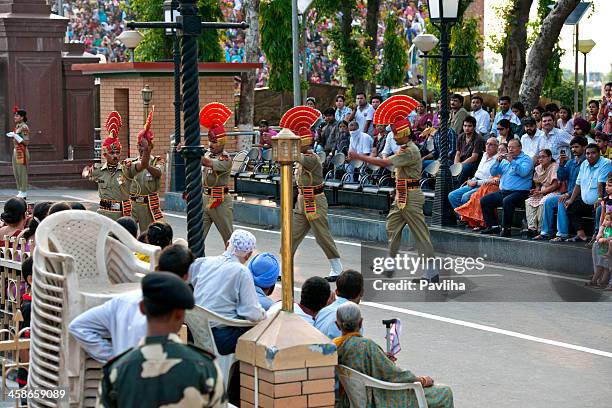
pixel 21 158
pixel 310 211
pixel 144 192
pixel 219 203
pixel 218 208
pixel 113 189
pixel 161 371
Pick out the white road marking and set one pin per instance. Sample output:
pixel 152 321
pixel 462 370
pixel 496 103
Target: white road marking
pixel 80 199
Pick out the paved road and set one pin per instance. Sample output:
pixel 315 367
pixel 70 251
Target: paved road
pixel 493 352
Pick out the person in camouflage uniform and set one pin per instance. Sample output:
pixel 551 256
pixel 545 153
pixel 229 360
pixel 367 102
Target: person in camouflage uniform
pixel 217 164
pixel 161 371
pixel 113 184
pixel 310 210
pixel 407 208
pixel 145 179
pixel 21 154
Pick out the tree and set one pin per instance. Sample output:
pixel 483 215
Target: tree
pixel 564 93
pixel 554 73
pixel 535 72
pixel 156 45
pixel 248 79
pixel 395 58
pixel 513 47
pixel 275 29
pixel 372 34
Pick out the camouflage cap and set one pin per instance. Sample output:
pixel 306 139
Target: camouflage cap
pixel 167 289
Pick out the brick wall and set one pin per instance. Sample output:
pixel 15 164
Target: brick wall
pixel 123 93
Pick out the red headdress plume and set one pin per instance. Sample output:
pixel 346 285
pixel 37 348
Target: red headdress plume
pixel 15 109
pixel 299 120
pixel 395 111
pixel 112 126
pixel 213 116
pixel 146 131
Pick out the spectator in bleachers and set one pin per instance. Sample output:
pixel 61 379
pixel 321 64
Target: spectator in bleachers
pixel 328 136
pixel 554 109
pixel 349 288
pixel 483 120
pixel 422 120
pixel 129 224
pixel 546 185
pixel 519 110
pixel 532 140
pixel 364 355
pixel 26 313
pixel 592 111
pixel 461 195
pixel 363 114
pixel 379 141
pixel 504 131
pixel 588 191
pixel 565 121
pixel 536 114
pixel 515 169
pixel 470 146
pixel 265 270
pixel 360 143
pixel 603 141
pixel 567 175
pixel 504 113
pixel 39 213
pixel 316 294
pixel 457 113
pixel 343 112
pixel 13 218
pixel 582 128
pixel 375 101
pixel 602 247
pixel 435 153
pixel 265 135
pixel 554 139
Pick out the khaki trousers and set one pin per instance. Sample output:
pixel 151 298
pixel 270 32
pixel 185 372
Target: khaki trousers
pixel 319 226
pixel 411 215
pixel 222 216
pixel 20 171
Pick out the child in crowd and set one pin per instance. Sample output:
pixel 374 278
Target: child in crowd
pixel 26 308
pixel 602 251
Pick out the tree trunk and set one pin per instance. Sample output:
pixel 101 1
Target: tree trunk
pixel 248 80
pixel 372 32
pixel 514 59
pixel 533 79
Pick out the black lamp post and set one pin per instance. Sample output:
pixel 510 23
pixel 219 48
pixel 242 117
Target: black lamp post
pixel 189 26
pixel 177 181
pixel 444 13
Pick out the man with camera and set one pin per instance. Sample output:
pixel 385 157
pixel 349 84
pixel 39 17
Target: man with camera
pixel 515 169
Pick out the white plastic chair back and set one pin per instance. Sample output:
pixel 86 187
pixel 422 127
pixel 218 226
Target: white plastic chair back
pixel 77 265
pixel 198 320
pixel 239 162
pixel 355 385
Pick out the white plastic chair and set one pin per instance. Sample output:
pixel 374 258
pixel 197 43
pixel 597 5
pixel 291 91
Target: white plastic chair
pixel 77 265
pixel 198 320
pixel 355 384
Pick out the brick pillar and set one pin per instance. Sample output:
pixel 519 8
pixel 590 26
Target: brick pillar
pixel 293 363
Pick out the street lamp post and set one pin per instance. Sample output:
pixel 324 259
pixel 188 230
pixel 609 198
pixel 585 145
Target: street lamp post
pixel 286 151
pixel 189 26
pixel 147 96
pixel 177 181
pixel 131 39
pixel 425 43
pixel 444 12
pixel 585 46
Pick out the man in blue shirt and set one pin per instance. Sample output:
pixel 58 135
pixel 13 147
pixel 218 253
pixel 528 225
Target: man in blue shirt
pixel 589 190
pixel 567 172
pixel 505 113
pixel 515 169
pixel 349 288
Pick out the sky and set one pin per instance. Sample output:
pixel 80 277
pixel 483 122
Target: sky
pixel 592 26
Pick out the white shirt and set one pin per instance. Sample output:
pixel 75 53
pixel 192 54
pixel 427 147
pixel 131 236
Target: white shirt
pixel 225 286
pixel 391 146
pixel 361 142
pixel 556 140
pixel 362 116
pixel 483 173
pixel 569 126
pixel 483 121
pixel 296 309
pixel 533 145
pixel 118 319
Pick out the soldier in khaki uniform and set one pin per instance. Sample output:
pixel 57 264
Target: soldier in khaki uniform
pixel 217 168
pixel 113 184
pixel 407 207
pixel 310 211
pixel 161 371
pixel 145 176
pixel 21 154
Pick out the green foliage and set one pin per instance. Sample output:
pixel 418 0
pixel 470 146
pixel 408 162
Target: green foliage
pixel 395 58
pixel 156 45
pixel 564 92
pixel 554 73
pixel 275 30
pixel 356 59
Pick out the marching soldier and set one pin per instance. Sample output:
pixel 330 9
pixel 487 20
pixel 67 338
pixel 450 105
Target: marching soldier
pixel 21 154
pixel 217 164
pixel 161 371
pixel 113 184
pixel 408 205
pixel 311 208
pixel 145 178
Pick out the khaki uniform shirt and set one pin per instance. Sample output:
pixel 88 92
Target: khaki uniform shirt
pixel 407 162
pixel 310 172
pixel 111 185
pixel 218 175
pixel 143 182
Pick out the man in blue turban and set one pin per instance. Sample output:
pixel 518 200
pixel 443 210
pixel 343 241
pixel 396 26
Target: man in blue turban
pixel 265 270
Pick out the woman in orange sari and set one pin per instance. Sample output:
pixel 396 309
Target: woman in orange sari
pixel 471 212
